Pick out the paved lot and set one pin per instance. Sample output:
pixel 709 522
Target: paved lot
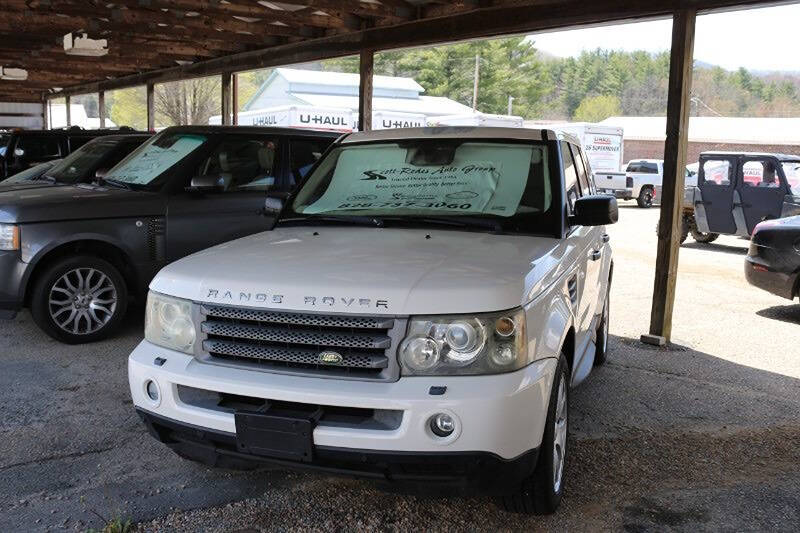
pixel 705 436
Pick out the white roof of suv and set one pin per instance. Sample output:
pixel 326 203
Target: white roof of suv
pixel 459 132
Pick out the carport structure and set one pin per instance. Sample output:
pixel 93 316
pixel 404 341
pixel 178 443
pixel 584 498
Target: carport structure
pixel 157 41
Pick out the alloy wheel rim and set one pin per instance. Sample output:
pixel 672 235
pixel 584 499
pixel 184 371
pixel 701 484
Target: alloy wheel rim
pixel 560 435
pixel 82 301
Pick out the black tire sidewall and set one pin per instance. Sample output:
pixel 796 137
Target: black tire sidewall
pixel 547 500
pixel 641 200
pixel 41 293
pixel 600 355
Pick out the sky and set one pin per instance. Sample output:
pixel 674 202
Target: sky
pixel 757 39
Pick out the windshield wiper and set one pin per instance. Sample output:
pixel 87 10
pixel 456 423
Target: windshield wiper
pixel 376 222
pixel 45 177
pixel 114 183
pixel 458 222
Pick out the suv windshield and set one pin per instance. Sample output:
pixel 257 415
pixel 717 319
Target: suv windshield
pixel 75 166
pixel 151 160
pixel 35 172
pixel 424 182
pixel 792 171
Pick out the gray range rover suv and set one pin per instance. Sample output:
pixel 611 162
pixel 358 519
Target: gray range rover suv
pixel 77 255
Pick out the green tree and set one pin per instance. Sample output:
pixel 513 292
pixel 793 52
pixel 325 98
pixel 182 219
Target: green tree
pixel 597 108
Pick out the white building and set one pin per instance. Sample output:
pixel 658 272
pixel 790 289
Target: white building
pixel 329 100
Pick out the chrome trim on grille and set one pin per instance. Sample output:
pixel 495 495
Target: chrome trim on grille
pixel 304 319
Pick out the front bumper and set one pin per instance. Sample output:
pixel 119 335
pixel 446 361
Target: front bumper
pixel 12 274
pixel 501 415
pixel 430 471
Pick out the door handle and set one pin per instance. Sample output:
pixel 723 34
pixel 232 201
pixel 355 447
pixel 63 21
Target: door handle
pixel 595 255
pixel 606 237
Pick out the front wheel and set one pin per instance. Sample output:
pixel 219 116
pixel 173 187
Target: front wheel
pixel 541 493
pixel 645 199
pixel 79 299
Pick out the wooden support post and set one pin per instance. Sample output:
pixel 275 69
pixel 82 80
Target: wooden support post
pixel 46 114
pixel 365 90
pixel 151 107
pixel 235 99
pixel 226 98
pixel 669 227
pixel 68 109
pixel 101 107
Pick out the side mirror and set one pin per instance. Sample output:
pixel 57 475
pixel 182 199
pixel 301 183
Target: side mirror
pixel 100 173
pixel 207 182
pixel 19 152
pixel 275 203
pixel 595 210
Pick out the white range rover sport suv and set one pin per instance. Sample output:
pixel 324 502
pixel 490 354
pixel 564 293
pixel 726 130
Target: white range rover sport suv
pixel 417 315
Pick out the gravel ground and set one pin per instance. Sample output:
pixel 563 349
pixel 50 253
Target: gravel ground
pixel 702 436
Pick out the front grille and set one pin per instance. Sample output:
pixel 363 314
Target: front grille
pixel 355 347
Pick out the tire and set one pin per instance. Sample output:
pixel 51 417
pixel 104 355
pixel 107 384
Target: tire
pixel 541 493
pixel 63 308
pixel 601 350
pixel 699 236
pixel 645 199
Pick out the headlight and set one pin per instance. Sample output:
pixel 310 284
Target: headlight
pixel 9 237
pixel 168 323
pixel 452 345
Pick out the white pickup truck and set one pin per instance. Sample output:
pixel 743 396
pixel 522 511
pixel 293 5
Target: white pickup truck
pixel 418 315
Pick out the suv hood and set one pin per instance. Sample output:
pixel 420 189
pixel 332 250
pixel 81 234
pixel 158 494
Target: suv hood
pixel 76 202
pixel 26 185
pixel 368 271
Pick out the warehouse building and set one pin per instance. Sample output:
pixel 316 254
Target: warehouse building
pixel 644 136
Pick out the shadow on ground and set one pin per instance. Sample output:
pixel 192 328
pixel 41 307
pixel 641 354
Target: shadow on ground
pixel 784 313
pixel 661 439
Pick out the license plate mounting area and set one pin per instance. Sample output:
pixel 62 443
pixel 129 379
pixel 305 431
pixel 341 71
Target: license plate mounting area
pixel 277 434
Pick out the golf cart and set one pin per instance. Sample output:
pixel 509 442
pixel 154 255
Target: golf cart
pixel 736 191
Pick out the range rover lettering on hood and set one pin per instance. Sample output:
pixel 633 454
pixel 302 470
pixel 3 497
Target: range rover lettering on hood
pixel 222 295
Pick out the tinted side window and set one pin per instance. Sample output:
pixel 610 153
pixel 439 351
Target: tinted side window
pixel 583 178
pixel 39 147
pixel 243 164
pixel 303 153
pixel 573 191
pixel 717 172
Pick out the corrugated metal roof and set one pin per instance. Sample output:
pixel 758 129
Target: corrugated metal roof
pixel 734 130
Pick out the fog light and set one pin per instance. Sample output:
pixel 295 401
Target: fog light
pixel 152 390
pixel 442 425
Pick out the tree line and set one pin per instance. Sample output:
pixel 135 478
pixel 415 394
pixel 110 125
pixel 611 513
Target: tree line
pixel 591 87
